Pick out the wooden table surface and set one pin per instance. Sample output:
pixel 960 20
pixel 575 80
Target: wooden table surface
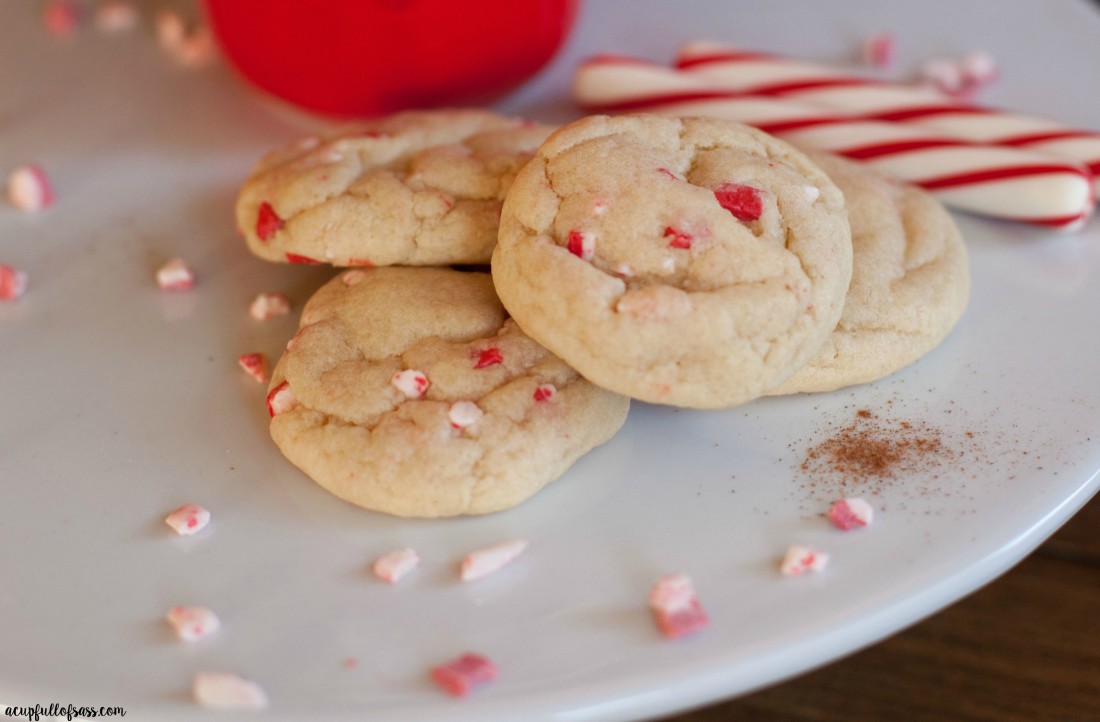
pixel 1025 648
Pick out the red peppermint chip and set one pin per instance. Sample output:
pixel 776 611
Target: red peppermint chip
pixel 303 260
pixel 681 622
pixel 488 357
pixel 280 399
pixel 581 244
pixel 13 283
pixel 743 202
pixel 545 392
pixel 268 222
pixel 677 238
pixel 460 676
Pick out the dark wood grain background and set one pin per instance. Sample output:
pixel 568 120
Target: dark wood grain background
pixel 1026 648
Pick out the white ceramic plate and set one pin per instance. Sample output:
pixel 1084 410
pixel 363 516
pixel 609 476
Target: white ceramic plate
pixel 119 402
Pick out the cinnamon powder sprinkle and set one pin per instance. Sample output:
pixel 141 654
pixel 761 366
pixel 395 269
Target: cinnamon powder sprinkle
pixel 866 453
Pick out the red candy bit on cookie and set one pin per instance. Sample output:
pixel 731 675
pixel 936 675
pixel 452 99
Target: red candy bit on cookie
pixel 193 623
pixel 225 691
pixel 488 357
pixel 545 392
pixel 281 399
pixel 801 559
pixel 13 283
pixel 29 188
pixel 410 382
pixel 255 364
pixel 677 238
pixel 303 260
pixel 744 202
pixel 269 305
pixel 581 244
pixel 675 607
pixel 268 222
pixel 365 263
pixel 464 413
pixel 461 676
pixel 188 519
pixel 393 566
pixel 851 513
pixel 667 172
pixel 484 562
pixel 175 275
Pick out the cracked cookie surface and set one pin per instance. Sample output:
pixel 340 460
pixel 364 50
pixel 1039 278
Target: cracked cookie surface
pixel 409 391
pixel 910 281
pixel 692 262
pixel 414 188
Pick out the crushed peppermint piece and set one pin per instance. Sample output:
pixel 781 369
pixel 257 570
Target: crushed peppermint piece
pixel 393 566
pixel 353 277
pixel 281 399
pixel 944 75
pixel 29 188
pixel 675 607
pixel 464 413
pixel 116 16
pixel 677 238
pixel 812 193
pixel 744 202
pixel 667 172
pixel 193 623
pixel 851 513
pixel 801 559
pixel 171 30
pixel 255 364
pixel 488 357
pixel 303 260
pixel 197 48
pixel 226 691
pixel 462 675
pixel 269 305
pixel 879 50
pixel 581 244
pixel 175 275
pixel 600 206
pixel 410 382
pixel 978 68
pixel 545 392
pixel 61 17
pixel 268 222
pixel 364 262
pixel 188 519
pixel 13 283
pixel 483 562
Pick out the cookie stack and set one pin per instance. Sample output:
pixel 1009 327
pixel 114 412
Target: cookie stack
pixel 692 262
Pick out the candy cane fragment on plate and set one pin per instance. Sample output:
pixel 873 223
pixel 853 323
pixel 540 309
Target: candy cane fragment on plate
pixel 734 68
pixel 1006 183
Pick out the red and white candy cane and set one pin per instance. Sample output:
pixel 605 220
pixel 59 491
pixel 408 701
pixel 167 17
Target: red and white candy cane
pixel 734 68
pixel 1007 183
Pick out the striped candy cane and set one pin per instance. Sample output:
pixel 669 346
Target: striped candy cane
pixel 1007 183
pixel 732 68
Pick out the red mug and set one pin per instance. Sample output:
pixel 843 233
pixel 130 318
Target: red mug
pixel 371 57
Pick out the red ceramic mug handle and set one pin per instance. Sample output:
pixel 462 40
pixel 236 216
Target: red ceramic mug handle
pixel 369 57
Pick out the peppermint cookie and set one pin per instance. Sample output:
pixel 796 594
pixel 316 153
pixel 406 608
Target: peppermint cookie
pixel 416 188
pixel 910 281
pixel 409 391
pixel 694 262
